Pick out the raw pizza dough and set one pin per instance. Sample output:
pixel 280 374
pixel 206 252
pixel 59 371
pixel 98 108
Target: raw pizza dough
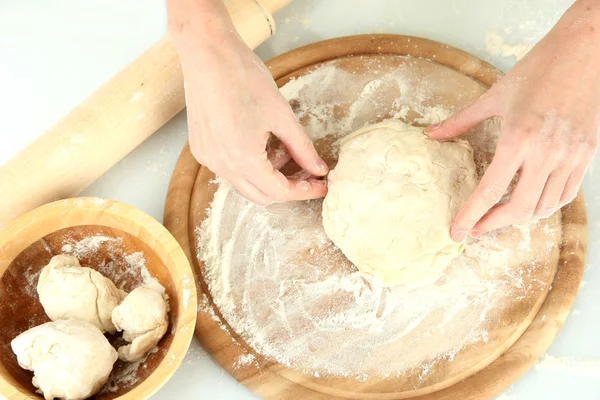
pixel 142 317
pixel 392 198
pixel 68 290
pixel 70 359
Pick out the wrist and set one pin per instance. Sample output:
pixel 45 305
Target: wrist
pixel 583 18
pixel 198 24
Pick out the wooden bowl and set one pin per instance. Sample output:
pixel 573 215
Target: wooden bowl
pixel 125 245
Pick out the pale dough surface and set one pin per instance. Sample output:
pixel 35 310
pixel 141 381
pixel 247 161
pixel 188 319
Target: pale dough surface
pixel 392 198
pixel 70 359
pixel 68 290
pixel 142 316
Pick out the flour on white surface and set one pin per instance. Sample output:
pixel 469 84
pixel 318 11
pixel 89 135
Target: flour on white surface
pixel 495 45
pixel 569 365
pixel 291 295
pixel 505 396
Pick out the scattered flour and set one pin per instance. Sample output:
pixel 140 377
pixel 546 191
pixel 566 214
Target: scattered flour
pixel 289 293
pixel 244 360
pixel 89 245
pixel 137 96
pixel 135 263
pixel 496 46
pixel 126 376
pixel 569 365
pixel 31 276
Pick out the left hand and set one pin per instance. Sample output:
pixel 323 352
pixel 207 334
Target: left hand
pixel 549 105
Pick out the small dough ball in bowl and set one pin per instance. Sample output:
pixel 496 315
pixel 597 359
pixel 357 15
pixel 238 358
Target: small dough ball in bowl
pixel 70 359
pixel 392 198
pixel 68 290
pixel 143 319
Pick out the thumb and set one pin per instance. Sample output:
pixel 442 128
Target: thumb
pixel 462 121
pixel 301 148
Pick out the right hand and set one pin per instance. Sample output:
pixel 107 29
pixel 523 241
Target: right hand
pixel 233 106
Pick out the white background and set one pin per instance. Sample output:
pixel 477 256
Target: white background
pixel 53 53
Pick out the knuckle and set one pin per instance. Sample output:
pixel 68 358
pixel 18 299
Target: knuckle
pixel 527 133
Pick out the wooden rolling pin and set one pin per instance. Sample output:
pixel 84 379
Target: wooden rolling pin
pixel 113 121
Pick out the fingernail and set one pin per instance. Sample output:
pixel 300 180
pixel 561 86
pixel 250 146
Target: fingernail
pixel 322 165
pixel 432 128
pixel 459 236
pixel 475 233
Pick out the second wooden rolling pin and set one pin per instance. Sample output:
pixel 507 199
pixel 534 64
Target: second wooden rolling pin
pixel 114 120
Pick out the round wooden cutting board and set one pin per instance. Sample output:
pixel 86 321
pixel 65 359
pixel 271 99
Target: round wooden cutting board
pixel 292 329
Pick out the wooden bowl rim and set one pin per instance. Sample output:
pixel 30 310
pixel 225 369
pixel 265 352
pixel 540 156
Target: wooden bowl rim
pixel 113 214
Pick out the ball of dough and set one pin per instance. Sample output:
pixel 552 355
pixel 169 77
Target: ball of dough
pixel 392 198
pixel 68 290
pixel 70 359
pixel 142 317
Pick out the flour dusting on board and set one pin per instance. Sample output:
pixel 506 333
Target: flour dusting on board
pixel 295 299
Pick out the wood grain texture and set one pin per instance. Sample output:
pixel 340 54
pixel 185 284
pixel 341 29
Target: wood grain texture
pixel 27 245
pixel 113 121
pixel 190 193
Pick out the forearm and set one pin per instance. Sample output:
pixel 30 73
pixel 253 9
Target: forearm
pixel 582 22
pixel 195 24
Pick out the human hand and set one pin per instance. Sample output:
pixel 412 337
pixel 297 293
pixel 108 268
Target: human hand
pixel 549 107
pixel 233 106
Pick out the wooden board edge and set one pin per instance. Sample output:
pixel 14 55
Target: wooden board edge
pixel 542 331
pixel 285 64
pixel 177 217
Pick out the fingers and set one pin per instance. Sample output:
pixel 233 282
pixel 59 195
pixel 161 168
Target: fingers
pixel 249 191
pixel 264 192
pixel 462 121
pixel 279 188
pixel 301 148
pixel 490 190
pixel 521 206
pixel 550 199
pixel 572 186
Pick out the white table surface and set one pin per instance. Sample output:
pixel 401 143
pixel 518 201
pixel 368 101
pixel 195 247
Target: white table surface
pixel 53 53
